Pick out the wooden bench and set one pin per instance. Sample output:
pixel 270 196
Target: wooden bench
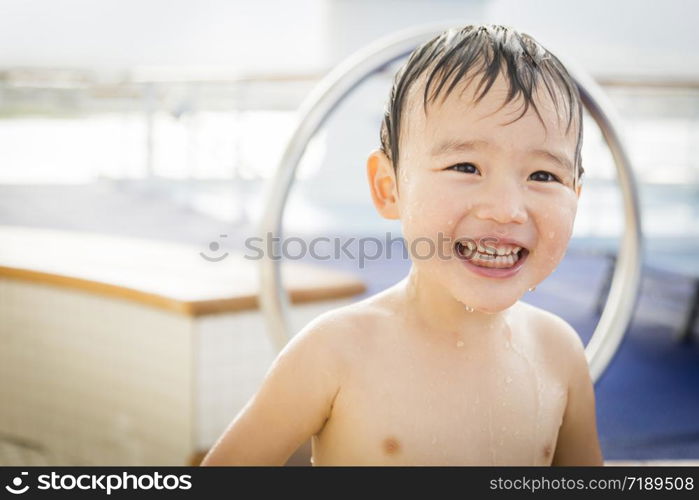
pixel 117 351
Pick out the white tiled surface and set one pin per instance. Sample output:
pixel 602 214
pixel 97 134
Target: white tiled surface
pixel 92 380
pixel 100 380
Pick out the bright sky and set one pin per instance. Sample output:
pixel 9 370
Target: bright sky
pixel 620 36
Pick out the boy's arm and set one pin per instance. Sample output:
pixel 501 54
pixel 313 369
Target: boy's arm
pixel 292 404
pixel 578 443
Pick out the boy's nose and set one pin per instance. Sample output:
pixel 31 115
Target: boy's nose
pixel 502 203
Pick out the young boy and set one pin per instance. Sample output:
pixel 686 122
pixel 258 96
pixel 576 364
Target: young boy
pixel 480 161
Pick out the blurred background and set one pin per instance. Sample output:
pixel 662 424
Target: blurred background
pixel 137 141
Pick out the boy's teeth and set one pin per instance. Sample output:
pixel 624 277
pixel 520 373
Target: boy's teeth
pixel 492 252
pixel 500 251
pixel 499 261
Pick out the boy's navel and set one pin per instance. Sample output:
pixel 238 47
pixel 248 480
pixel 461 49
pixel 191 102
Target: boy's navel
pixel 391 445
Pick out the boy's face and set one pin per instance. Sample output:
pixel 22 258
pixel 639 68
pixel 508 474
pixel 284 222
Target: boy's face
pixel 467 174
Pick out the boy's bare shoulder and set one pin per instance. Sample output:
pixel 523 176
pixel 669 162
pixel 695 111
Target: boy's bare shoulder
pixel 552 334
pixel 347 327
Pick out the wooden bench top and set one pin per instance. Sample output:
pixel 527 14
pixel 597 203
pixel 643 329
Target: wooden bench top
pixel 170 276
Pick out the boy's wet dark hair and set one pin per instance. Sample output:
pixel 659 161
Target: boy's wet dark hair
pixel 485 50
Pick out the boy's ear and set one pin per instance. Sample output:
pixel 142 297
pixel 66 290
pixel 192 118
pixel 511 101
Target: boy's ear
pixel 382 182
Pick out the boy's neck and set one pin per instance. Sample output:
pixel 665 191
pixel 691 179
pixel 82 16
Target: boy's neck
pixel 439 312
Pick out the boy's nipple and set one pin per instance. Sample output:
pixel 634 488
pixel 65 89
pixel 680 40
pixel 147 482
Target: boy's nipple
pixel 391 445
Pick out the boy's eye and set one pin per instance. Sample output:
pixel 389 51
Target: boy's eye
pixel 468 168
pixel 540 175
pixel 543 176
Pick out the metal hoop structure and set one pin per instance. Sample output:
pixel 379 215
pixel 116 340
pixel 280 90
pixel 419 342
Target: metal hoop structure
pixel 328 94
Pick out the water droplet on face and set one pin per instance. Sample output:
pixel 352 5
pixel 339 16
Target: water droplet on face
pixel 459 343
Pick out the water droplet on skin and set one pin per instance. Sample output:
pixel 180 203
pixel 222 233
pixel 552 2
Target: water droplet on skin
pixel 508 379
pixel 469 309
pixel 490 432
pixel 459 343
pixel 537 383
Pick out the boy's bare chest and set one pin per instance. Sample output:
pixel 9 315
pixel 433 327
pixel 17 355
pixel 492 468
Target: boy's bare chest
pixel 503 408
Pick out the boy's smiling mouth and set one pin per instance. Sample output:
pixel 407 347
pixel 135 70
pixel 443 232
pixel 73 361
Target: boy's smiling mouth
pixel 499 260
